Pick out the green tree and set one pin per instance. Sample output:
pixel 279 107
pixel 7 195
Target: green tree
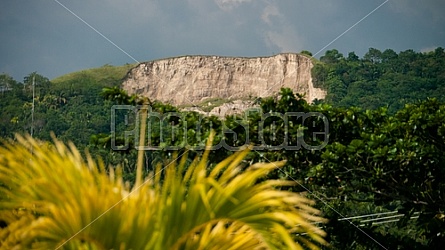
pixel 373 56
pixel 397 159
pixel 331 56
pixel 305 52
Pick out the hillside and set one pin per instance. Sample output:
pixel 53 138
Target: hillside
pixel 72 107
pixel 101 74
pixel 381 78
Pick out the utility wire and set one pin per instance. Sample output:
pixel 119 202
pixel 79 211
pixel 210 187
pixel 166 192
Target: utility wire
pixel 374 221
pixel 388 218
pixel 368 215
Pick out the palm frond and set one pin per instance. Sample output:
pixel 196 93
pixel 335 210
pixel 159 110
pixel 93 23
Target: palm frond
pixel 52 198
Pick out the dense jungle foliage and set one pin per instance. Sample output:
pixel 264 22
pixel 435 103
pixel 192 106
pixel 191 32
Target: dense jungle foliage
pixel 373 162
pixel 381 78
pixel 70 106
pixel 373 148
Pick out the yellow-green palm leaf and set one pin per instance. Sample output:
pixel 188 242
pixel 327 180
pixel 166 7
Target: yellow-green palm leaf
pixel 52 198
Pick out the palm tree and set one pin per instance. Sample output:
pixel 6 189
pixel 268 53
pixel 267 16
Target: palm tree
pixel 53 198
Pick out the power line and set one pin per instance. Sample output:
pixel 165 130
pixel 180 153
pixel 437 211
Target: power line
pixel 382 218
pixel 387 218
pixel 368 215
pixel 374 221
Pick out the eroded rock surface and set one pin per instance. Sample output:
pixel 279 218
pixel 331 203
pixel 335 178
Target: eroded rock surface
pixel 190 80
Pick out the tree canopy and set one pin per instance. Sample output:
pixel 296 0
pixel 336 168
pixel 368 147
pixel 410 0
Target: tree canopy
pixel 381 78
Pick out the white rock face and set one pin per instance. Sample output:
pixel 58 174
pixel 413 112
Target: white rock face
pixel 190 80
pixel 225 109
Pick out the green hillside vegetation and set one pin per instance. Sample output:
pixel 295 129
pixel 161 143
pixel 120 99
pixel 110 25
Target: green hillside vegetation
pixel 72 109
pixel 381 78
pixel 106 73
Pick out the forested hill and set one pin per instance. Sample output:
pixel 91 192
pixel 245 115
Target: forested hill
pixel 381 78
pixel 71 105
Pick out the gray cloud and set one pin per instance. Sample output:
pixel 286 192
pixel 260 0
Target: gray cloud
pixel 228 5
pixel 433 10
pixel 269 12
pixel 42 36
pixel 279 33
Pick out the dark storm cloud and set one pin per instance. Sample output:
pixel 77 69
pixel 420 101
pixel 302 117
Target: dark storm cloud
pixel 42 36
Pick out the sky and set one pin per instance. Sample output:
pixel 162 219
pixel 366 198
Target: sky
pixel 55 37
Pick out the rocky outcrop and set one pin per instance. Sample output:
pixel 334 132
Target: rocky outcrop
pixel 190 80
pixel 225 109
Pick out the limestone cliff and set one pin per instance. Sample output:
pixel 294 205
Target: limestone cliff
pixel 190 80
